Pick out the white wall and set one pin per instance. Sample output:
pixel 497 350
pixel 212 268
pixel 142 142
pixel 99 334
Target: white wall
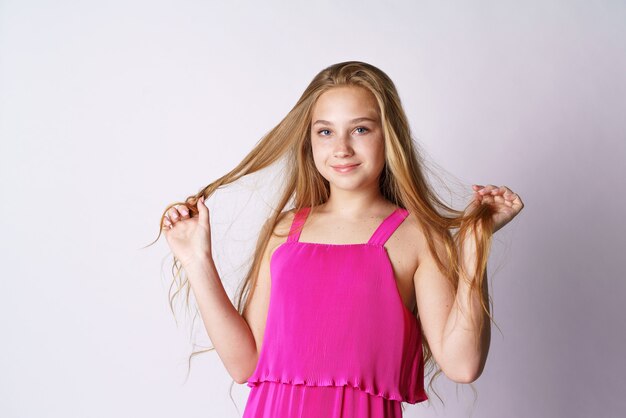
pixel 111 110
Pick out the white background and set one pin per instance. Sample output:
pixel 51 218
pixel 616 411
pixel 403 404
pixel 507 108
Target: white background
pixel 109 111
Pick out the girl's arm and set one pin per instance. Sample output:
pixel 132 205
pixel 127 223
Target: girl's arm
pixel 237 339
pixel 449 327
pixel 230 334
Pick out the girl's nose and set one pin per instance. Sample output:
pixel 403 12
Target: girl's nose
pixel 342 146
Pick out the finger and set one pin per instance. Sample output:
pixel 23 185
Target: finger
pixel 203 211
pixel 488 199
pixel 178 213
pixel 173 215
pixel 508 193
pixel 166 224
pixel 501 200
pixel 515 199
pixel 502 189
pixel 183 210
pixel 478 188
pixel 495 190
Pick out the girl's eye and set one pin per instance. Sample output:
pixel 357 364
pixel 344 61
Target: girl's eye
pixel 326 130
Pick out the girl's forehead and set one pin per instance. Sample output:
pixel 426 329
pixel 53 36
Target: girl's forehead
pixel 343 101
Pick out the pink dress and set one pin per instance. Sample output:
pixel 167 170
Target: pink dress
pixel 339 341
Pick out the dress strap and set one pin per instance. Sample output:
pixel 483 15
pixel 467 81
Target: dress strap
pixel 388 226
pixel 297 224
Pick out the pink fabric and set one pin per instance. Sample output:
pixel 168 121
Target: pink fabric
pixel 339 341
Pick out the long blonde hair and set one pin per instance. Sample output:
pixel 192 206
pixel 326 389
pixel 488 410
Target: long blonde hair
pixel 402 182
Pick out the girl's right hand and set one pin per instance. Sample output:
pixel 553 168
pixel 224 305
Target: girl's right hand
pixel 188 236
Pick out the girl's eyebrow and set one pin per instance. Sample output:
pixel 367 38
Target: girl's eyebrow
pixel 325 122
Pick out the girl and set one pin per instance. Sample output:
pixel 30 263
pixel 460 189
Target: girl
pixel 362 281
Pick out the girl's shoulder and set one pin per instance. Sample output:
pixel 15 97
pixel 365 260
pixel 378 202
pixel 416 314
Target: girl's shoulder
pixel 408 236
pixel 411 239
pixel 409 242
pixel 411 227
pixel 280 230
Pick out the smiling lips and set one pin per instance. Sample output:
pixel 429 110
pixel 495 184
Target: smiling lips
pixel 344 168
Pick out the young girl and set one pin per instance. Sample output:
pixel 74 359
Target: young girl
pixel 357 279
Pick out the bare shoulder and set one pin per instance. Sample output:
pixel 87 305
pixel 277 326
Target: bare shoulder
pixel 412 231
pixel 279 234
pixel 413 237
pixel 404 247
pixel 280 231
pixel 409 242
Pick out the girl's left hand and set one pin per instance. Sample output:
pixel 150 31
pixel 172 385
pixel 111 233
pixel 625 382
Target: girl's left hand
pixel 506 203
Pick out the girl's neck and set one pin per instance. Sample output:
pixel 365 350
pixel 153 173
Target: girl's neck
pixel 347 204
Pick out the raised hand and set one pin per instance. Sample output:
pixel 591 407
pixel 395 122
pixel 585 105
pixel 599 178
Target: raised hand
pixel 188 236
pixel 506 203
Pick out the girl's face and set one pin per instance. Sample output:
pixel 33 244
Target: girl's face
pixel 347 139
